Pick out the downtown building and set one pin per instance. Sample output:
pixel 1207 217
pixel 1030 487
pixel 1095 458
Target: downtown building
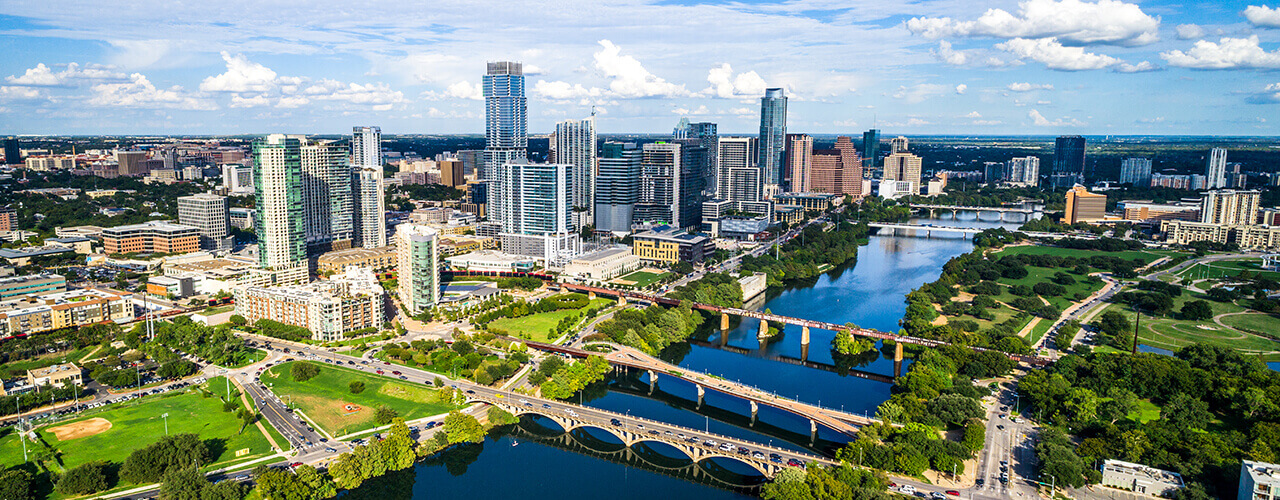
pixel 326 196
pixel 671 184
pixel 367 187
pixel 418 260
pixel 280 214
pixel 151 237
pixel 330 308
pixel 617 187
pixel 773 136
pixel 575 144
pixel 798 164
pixel 536 214
pixel 506 126
pixel 211 214
pixel 870 150
pixel 902 172
pixel 835 171
pixel 1215 170
pixel 1068 162
pixel 1136 171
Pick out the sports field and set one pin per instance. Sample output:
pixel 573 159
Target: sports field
pixel 327 398
pixel 642 279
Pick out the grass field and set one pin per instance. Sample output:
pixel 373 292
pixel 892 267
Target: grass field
pixel 1148 256
pixel 44 360
pixel 138 423
pixel 1227 268
pixel 643 279
pixel 1174 333
pixel 1146 412
pixel 1039 330
pixel 255 356
pixel 1045 275
pixel 536 327
pixel 324 397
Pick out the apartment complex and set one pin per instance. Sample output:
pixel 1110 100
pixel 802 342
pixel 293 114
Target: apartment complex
pixel 373 258
pixel 1258 481
pixel 418 262
pixel 671 244
pixel 1230 207
pixel 42 313
pixel 151 237
pixel 35 284
pixel 903 167
pixel 349 301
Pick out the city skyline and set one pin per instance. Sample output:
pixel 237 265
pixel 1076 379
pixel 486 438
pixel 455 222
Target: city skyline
pixel 926 67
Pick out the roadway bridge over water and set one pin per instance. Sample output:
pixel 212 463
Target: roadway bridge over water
pixel 928 229
pixel 1012 213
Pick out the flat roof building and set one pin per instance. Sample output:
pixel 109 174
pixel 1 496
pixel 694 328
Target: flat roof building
pixel 330 308
pixel 1083 206
pixel 603 265
pixel 151 237
pixel 1258 481
pixel 1139 478
pixel 36 284
pixel 57 376
pixel 672 244
pixel 42 313
pixel 373 258
pixel 492 260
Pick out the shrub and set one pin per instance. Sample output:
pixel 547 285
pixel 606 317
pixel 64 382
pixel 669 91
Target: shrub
pixel 356 387
pixel 303 371
pixel 384 415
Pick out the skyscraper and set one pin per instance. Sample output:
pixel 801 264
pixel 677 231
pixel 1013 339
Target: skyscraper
pixel 575 144
pixel 773 135
pixel 1025 171
pixel 536 198
pixel 898 145
pixel 506 116
pixel 418 260
pixel 1136 171
pixel 366 147
pixel 617 186
pixel 903 167
pixel 870 149
pixel 799 154
pixel 834 171
pixel 659 167
pixel 12 154
pixel 692 181
pixel 1215 170
pixel 738 173
pixel 211 214
pixel 1083 206
pixel 852 164
pixel 1068 161
pixel 1230 207
pixel 131 162
pixel 369 207
pixel 683 129
pixel 708 137
pixel 326 196
pixel 281 220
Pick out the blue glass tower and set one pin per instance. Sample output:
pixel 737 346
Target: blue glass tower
pixel 773 137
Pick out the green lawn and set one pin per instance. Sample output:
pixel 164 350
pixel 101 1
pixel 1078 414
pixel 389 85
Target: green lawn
pixel 1146 412
pixel 643 278
pixel 1147 256
pixel 255 356
pixel 1045 275
pixel 536 327
pixel 324 397
pixel 1226 268
pixel 139 423
pixel 1039 330
pixel 1172 333
pixel 46 360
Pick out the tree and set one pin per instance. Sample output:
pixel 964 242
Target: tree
pixel 303 371
pixel 384 415
pixel 83 480
pixel 975 435
pixel 463 428
pixel 356 387
pixel 1197 310
pixel 499 416
pixel 151 463
pixel 1186 412
pixel 238 320
pixel 954 408
pixel 15 484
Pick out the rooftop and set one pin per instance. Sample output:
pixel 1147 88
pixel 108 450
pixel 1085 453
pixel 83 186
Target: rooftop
pixel 601 255
pixel 54 369
pixel 1139 470
pixel 354 254
pixel 165 226
pixel 670 233
pixel 31 252
pixel 1263 472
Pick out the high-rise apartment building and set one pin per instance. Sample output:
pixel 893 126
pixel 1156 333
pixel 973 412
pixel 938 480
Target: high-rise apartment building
pixel 472 161
pixel 1083 206
pixel 799 155
pixel 836 172
pixel 452 173
pixel 1068 161
pixel 870 148
pixel 209 213
pixel 326 196
pixel 366 147
pixel 737 168
pixel 1136 171
pixel 1215 170
pixel 850 155
pixel 708 138
pixel 617 186
pixel 369 207
pixel 1258 481
pixel 898 145
pixel 575 144
pixel 1230 207
pixel 418 261
pixel 773 135
pixel 904 167
pixel 281 218
pixel 536 198
pixel 1024 171
pixel 506 117
pixel 659 168
pixel 12 153
pixel 237 178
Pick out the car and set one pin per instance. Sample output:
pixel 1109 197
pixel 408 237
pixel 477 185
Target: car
pixel 936 495
pixel 710 443
pixel 330 450
pixel 395 372
pixel 615 422
pixel 954 493
pixel 296 464
pixel 388 363
pixel 908 489
pixel 757 455
pixel 402 377
pixel 743 451
pixel 653 433
pixel 469 391
pixel 794 463
pixel 547 406
pixel 980 481
pixel 380 372
pixel 726 447
pixel 1001 427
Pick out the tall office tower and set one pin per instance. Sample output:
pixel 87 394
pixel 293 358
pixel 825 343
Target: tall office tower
pixel 834 171
pixel 903 167
pixel 773 136
pixel 326 196
pixel 576 145
pixel 708 137
pixel 994 172
pixel 1083 206
pixel 1215 170
pixel 1229 207
pixel 12 153
pixel 418 260
pixel 799 154
pixel 617 186
pixel 366 147
pixel 472 161
pixel 506 126
pixel 1025 171
pixel 870 149
pixel 211 214
pixel 1136 171
pixel 659 167
pixel 849 154
pixel 369 207
pixel 683 129
pixel 692 180
pixel 1068 162
pixel 898 145
pixel 536 198
pixel 131 162
pixel 170 158
pixel 1235 178
pixel 737 160
pixel 451 173
pixel 277 184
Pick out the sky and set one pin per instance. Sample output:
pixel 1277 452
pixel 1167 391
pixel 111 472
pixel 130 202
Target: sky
pixel 915 67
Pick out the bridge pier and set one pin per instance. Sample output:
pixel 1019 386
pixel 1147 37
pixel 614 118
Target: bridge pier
pixel 724 321
pixel 755 409
pixel 804 343
pixel 764 329
pixel 702 395
pixel 591 295
pixel 813 432
pixel 897 360
pixel 653 381
pixel 622 300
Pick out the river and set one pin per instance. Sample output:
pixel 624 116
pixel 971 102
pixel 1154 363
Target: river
pixel 547 465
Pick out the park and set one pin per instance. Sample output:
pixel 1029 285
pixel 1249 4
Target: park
pixel 329 400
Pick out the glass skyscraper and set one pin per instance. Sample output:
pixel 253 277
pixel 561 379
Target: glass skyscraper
pixel 506 126
pixel 281 220
pixel 773 137
pixel 870 149
pixel 576 145
pixel 617 186
pixel 418 260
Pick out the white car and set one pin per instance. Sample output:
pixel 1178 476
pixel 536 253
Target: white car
pixel 908 489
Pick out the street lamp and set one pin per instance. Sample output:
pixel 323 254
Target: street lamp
pixel 165 416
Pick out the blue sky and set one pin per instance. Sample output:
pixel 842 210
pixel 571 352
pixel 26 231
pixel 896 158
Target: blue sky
pixel 911 67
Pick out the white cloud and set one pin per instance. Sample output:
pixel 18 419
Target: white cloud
pixel 845 123
pixel 950 56
pixel 1228 53
pixel 700 110
pixel 564 90
pixel 242 76
pixel 290 102
pixel 1106 21
pixel 259 100
pixel 1263 16
pixel 141 93
pixel 1189 31
pixel 973 114
pixel 1150 121
pixel 1269 95
pixel 1054 55
pixel 19 93
pixel 376 94
pixel 39 76
pixel 961 88
pixel 985 123
pixel 457 90
pixel 741 112
pixel 1040 121
pixel 44 76
pixel 919 92
pixel 629 77
pixel 1028 87
pixel 1142 67
pixel 911 122
pixel 727 86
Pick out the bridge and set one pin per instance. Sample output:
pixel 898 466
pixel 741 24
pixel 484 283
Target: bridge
pixel 698 446
pixel 1025 212
pixel 804 324
pixel 928 229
